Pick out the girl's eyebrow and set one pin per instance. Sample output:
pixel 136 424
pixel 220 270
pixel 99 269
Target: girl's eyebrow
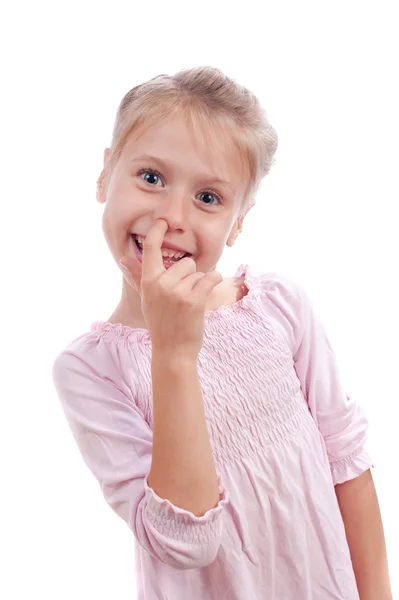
pixel 167 166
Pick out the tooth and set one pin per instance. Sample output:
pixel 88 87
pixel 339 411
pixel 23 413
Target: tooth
pixel 166 253
pixel 169 254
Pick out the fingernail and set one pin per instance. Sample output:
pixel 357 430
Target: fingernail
pixel 122 264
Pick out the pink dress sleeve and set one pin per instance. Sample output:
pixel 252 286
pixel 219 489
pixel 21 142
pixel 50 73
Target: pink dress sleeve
pixel 116 444
pixel 341 421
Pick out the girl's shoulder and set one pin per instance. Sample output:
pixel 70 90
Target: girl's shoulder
pixel 98 359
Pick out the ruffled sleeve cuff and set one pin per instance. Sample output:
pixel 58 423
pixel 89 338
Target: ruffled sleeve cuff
pixel 174 522
pixel 350 467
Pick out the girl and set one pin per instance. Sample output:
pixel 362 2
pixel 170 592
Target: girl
pixel 210 409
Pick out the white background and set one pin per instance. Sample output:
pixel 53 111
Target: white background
pixel 327 74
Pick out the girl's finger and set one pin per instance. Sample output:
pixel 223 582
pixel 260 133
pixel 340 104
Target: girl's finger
pixel 179 272
pixel 152 256
pixel 206 284
pixel 187 284
pixel 199 284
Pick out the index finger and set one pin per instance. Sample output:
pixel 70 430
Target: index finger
pixel 152 256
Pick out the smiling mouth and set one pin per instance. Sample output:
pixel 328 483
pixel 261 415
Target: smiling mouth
pixel 168 255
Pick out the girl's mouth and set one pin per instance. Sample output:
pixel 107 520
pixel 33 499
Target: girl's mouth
pixel 169 257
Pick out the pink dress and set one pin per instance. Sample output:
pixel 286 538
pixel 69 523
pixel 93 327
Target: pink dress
pixel 283 433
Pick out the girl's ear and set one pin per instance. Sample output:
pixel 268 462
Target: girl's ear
pixel 231 240
pixel 101 192
pixel 100 196
pixel 234 233
pixel 237 228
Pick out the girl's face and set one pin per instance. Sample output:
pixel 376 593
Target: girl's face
pixel 167 174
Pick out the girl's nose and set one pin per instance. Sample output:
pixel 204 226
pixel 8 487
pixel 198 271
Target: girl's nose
pixel 174 210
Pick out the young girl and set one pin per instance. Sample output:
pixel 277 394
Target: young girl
pixel 210 409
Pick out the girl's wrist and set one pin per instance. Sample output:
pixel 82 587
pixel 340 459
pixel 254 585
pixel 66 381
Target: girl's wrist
pixel 173 359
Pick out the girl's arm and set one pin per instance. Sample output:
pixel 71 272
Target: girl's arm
pixel 360 511
pixel 104 409
pixel 183 468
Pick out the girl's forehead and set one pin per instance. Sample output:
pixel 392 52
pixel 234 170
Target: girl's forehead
pixel 175 141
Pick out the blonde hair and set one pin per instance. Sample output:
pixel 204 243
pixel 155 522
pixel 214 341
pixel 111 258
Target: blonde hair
pixel 213 103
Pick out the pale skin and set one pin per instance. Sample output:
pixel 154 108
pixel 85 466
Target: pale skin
pixel 358 502
pixel 171 303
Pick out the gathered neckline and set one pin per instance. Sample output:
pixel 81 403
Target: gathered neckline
pixel 142 334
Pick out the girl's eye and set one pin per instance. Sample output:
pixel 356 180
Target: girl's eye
pixel 154 178
pixel 209 195
pixel 150 176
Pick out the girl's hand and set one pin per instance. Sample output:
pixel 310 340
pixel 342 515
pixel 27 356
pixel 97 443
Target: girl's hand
pixel 172 300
